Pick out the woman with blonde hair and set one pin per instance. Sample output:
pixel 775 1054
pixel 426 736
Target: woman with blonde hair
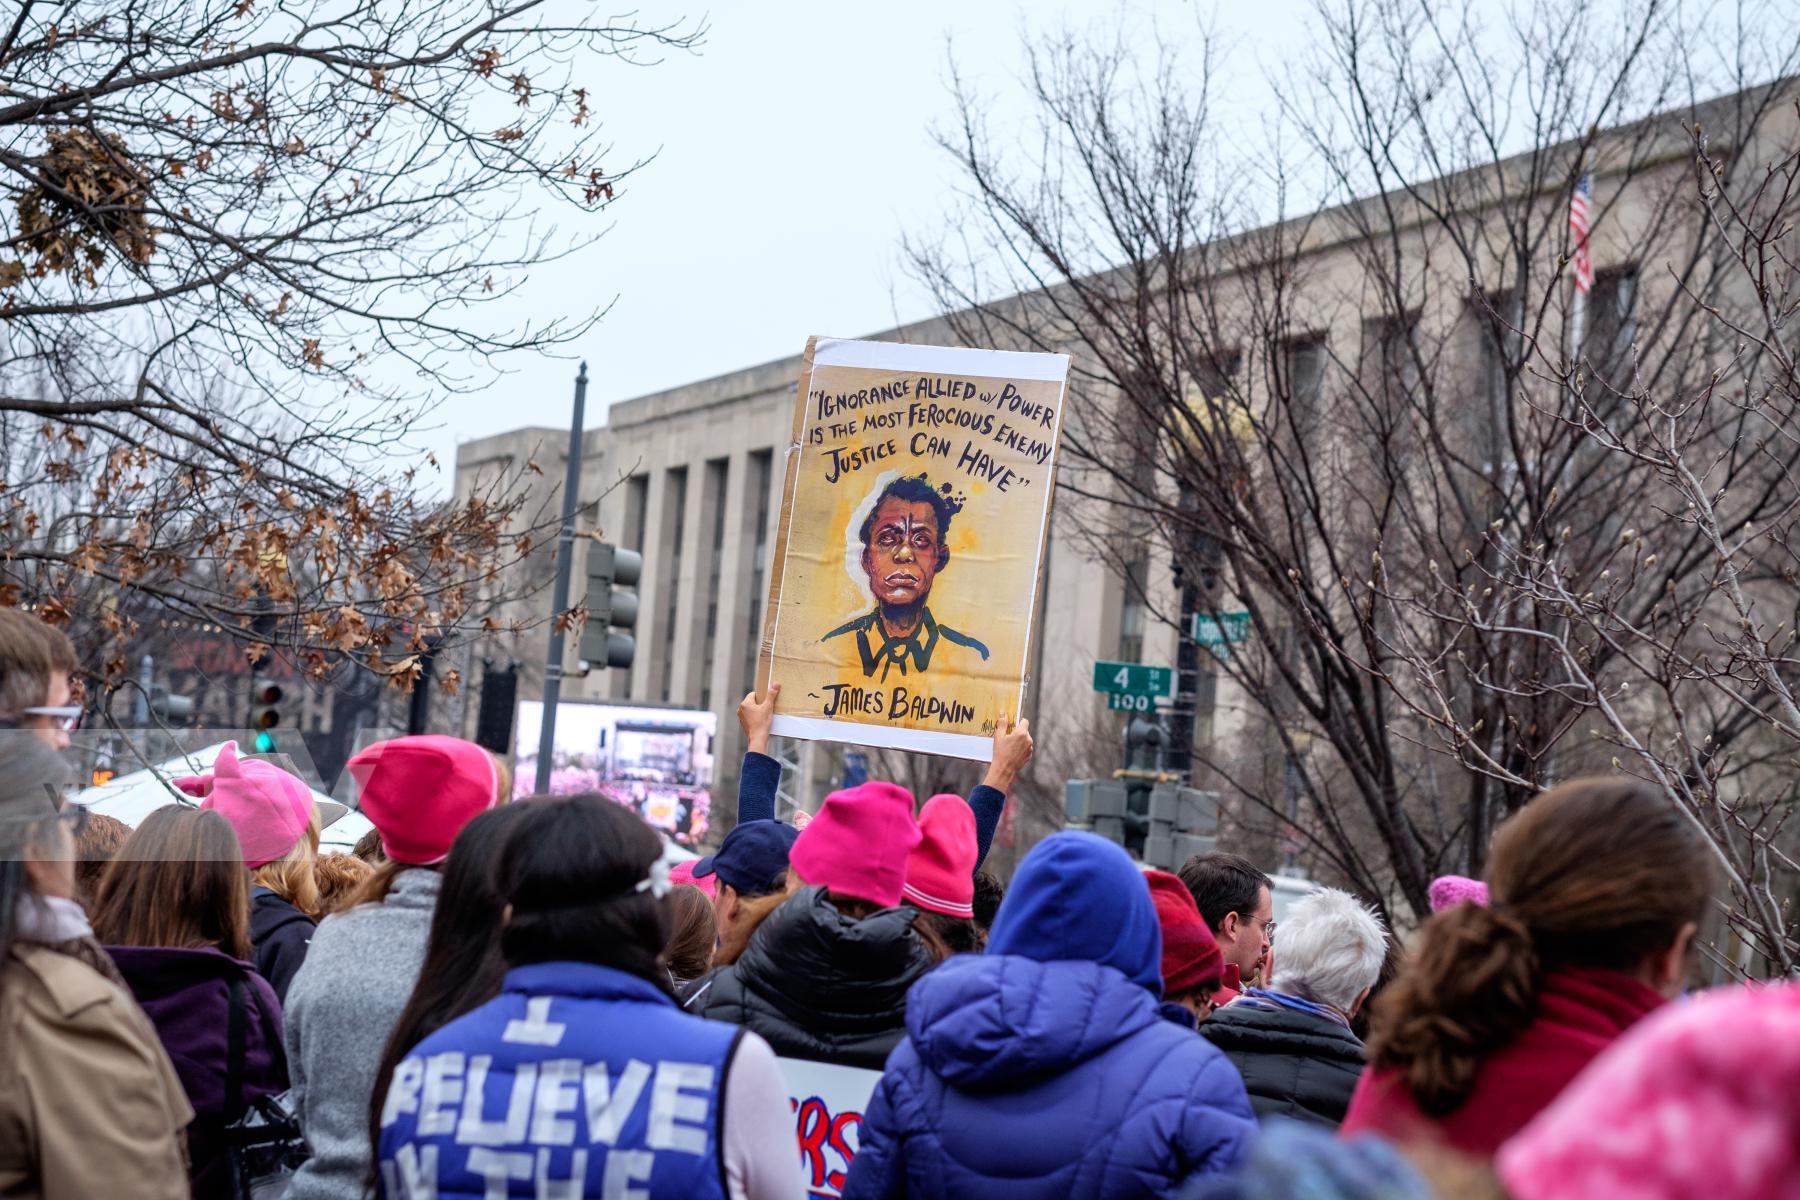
pixel 277 824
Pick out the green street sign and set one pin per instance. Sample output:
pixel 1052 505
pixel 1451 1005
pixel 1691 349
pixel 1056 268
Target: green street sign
pixel 1133 679
pixel 1120 702
pixel 1221 629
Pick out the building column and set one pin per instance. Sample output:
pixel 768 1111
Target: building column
pixel 690 589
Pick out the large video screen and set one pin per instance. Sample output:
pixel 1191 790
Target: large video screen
pixel 656 761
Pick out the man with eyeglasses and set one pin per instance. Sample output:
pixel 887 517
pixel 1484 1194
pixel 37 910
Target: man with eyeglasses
pixel 1238 905
pixel 36 661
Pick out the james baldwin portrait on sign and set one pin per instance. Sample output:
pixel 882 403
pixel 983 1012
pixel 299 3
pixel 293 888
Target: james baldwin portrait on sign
pixel 903 550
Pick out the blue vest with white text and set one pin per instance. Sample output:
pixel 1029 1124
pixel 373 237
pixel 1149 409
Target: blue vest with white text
pixel 577 1080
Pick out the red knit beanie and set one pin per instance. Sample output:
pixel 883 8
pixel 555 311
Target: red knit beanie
pixel 858 843
pixel 420 791
pixel 940 872
pixel 1190 954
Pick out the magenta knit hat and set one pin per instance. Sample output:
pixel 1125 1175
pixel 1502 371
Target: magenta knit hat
pixel 858 843
pixel 1701 1098
pixel 420 791
pixel 1447 891
pixel 269 809
pixel 940 872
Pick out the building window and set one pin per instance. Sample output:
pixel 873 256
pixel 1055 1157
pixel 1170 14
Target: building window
pixel 677 502
pixel 1212 381
pixel 717 472
pixel 1611 324
pixel 762 472
pixel 1303 369
pixel 1390 355
pixel 1132 609
pixel 637 504
pixel 1497 317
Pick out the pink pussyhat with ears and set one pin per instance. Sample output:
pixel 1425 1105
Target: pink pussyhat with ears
pixel 940 872
pixel 857 845
pixel 269 809
pixel 1447 891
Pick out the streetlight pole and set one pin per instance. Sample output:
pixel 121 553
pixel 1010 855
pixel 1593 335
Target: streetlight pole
pixel 559 600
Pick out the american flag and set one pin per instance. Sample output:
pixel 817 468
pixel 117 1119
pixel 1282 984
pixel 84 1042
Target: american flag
pixel 1580 211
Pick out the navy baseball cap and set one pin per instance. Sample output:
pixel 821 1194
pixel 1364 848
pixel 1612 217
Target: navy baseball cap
pixel 752 856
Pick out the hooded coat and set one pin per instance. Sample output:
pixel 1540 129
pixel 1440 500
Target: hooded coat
pixel 279 937
pixel 1042 1067
pixel 819 985
pixel 1295 1064
pixel 1580 1012
pixel 187 996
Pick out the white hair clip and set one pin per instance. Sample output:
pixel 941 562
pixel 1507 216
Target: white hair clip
pixel 657 882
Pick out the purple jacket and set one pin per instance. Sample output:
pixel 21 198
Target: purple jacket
pixel 187 995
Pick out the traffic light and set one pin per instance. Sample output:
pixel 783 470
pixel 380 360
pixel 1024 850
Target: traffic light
pixel 265 715
pixel 608 569
pixel 494 720
pixel 170 708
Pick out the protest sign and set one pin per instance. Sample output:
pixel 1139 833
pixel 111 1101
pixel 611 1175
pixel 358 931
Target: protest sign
pixel 907 564
pixel 828 1103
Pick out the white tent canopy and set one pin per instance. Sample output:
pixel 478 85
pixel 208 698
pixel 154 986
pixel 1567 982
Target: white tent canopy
pixel 130 798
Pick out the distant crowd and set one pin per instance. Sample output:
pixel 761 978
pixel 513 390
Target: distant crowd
pixel 496 999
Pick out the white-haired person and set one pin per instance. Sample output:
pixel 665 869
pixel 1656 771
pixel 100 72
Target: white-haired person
pixel 1291 1040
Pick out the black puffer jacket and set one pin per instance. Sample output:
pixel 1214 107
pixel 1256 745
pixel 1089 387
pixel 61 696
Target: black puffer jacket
pixel 818 985
pixel 1295 1064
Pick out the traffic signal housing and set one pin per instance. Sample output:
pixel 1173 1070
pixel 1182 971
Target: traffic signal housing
pixel 606 639
pixel 494 719
pixel 265 715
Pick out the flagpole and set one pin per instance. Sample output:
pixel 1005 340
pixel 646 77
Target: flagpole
pixel 1583 262
pixel 1577 327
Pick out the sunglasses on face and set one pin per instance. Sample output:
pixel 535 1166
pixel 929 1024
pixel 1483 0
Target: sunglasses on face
pixel 62 716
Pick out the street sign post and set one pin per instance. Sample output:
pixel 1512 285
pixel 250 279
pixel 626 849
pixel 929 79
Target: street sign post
pixel 1133 679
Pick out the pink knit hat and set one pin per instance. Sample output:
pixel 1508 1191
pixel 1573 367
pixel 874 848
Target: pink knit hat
pixel 269 809
pixel 940 872
pixel 683 872
pixel 1447 891
pixel 1699 1099
pixel 857 845
pixel 420 791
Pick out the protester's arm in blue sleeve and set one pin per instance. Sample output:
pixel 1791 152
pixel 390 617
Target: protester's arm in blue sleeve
pixel 988 803
pixel 757 781
pixel 1012 750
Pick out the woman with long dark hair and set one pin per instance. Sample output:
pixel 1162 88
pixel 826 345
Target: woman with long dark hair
pixel 623 1093
pixel 462 967
pixel 419 792
pixel 174 913
pixel 89 1103
pixel 1597 889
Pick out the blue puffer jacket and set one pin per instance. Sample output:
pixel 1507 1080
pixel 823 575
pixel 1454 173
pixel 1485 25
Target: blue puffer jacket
pixel 1042 1068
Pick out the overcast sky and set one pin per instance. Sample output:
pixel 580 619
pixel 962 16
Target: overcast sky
pixel 793 151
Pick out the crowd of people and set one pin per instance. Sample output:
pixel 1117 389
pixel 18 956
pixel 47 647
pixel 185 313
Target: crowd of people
pixel 497 998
